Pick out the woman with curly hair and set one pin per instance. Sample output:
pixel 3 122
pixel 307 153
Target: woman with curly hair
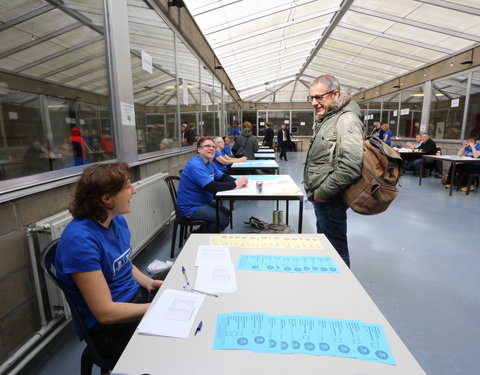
pixel 93 259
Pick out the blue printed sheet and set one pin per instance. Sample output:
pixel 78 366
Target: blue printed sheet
pixel 290 334
pixel 290 264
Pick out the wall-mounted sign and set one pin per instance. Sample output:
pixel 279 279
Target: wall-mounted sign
pixel 147 64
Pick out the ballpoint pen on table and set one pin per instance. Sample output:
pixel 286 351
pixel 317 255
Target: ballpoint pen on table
pixel 199 291
pixel 199 327
pixel 185 274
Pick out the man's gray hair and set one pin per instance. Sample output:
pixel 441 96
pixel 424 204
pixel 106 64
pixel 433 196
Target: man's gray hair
pixel 330 82
pixel 217 139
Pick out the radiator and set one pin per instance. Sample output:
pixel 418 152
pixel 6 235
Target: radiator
pixel 152 209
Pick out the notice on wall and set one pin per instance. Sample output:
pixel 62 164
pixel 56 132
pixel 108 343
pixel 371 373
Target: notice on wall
pixel 147 63
pixel 302 123
pixel 13 115
pixel 128 114
pixel 455 103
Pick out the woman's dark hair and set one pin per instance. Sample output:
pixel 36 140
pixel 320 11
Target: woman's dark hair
pixel 96 181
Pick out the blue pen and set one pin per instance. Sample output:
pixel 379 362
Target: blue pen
pixel 198 328
pixel 185 274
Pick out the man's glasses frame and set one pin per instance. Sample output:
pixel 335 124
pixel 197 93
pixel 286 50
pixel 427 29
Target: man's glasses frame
pixel 207 146
pixel 318 97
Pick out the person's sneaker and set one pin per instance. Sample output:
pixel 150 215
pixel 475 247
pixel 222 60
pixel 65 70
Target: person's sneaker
pixel 448 186
pixel 464 188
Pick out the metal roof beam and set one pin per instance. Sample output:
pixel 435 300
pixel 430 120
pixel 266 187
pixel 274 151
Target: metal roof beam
pixel 44 38
pixel 400 39
pixel 368 58
pixel 57 54
pixel 76 15
pixel 255 17
pixel 336 19
pixel 72 65
pixel 452 6
pixel 421 25
pixel 26 17
pixel 383 49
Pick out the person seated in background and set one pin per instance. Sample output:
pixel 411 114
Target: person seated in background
pixel 387 134
pixel 428 147
pixel 93 259
pixel 222 160
pixel 35 159
pixel 377 131
pixel 469 149
pixel 166 144
pixel 71 154
pixel 416 145
pixel 199 182
pixel 226 148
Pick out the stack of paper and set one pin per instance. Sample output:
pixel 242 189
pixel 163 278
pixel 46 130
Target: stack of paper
pixel 216 273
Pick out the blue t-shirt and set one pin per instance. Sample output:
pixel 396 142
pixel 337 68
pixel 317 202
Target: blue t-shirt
pixel 227 150
pixel 221 167
pixel 388 133
pixel 191 193
pixel 234 132
pixel 86 246
pixel 469 152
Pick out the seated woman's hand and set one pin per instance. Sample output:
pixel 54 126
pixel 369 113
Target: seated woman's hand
pixel 155 284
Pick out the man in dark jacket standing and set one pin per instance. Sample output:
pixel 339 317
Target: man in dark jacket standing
pixel 268 135
pixel 247 141
pixel 283 137
pixel 334 159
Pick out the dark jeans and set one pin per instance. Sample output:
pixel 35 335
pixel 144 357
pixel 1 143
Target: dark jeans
pixel 208 212
pixel 436 165
pixel 112 339
pixel 283 150
pixel 332 222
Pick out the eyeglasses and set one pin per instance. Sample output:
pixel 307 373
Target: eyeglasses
pixel 208 146
pixel 318 97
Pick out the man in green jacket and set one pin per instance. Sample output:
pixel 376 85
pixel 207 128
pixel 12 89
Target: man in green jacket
pixel 334 159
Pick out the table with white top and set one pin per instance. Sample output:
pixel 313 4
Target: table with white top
pixel 275 188
pixel 264 156
pixel 266 150
pixel 267 166
pixel 453 159
pixel 332 295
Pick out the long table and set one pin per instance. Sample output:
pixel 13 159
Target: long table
pixel 264 156
pixel 453 159
pixel 275 188
pixel 267 166
pixel 334 295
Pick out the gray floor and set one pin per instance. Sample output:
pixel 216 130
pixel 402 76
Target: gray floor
pixel 404 258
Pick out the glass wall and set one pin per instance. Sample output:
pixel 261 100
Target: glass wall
pixel 410 112
pixel 53 90
pixel 447 107
pixel 302 123
pixel 473 118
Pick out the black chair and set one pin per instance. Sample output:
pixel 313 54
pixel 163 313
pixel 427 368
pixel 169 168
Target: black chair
pixel 90 354
pixel 185 223
pixel 472 177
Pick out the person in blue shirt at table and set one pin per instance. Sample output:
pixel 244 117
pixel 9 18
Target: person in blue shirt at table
pixel 227 150
pixel 222 160
pixel 199 182
pixel 387 134
pixel 469 149
pixel 93 259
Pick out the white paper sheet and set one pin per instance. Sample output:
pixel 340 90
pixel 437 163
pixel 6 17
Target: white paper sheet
pixel 216 278
pixel 172 315
pixel 213 254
